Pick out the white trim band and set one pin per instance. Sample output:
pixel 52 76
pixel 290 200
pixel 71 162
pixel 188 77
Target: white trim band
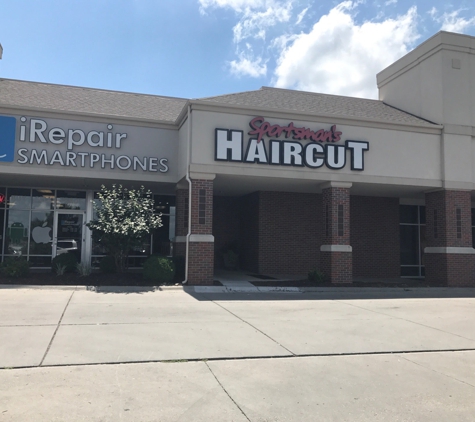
pixel 336 248
pixel 335 184
pixel 453 250
pixel 196 238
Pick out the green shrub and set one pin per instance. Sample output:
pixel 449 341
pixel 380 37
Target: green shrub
pixel 65 259
pixel 15 267
pixel 316 275
pixel 107 265
pixel 158 268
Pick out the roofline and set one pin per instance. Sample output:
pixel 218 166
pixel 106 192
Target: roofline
pixel 314 115
pixel 93 115
pixel 94 89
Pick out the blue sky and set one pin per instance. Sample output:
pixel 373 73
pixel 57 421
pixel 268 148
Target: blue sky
pixel 199 48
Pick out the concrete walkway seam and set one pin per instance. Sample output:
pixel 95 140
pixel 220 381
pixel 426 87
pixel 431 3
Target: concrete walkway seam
pixel 226 392
pixel 57 328
pixel 225 359
pixel 255 328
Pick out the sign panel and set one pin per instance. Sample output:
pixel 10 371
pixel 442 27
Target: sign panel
pixel 75 145
pixel 301 146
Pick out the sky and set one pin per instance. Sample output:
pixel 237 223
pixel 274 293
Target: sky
pixel 202 48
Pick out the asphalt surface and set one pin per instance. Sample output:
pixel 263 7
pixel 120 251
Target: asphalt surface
pixel 118 354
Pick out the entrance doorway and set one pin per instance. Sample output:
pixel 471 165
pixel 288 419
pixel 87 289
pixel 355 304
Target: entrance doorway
pixel 69 233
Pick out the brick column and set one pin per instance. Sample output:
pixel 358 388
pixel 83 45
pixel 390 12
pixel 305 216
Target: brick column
pixel 449 257
pixel 336 253
pixel 201 242
pixel 181 222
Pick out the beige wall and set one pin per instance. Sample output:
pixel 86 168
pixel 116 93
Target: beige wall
pixel 395 156
pixel 435 81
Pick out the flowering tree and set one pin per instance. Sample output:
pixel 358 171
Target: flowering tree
pixel 123 218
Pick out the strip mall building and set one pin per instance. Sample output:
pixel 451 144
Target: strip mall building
pixel 291 180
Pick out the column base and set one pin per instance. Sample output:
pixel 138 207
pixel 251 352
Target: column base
pixel 201 263
pixel 448 269
pixel 337 266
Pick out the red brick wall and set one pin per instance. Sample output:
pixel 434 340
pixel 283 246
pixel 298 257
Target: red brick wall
pixel 454 270
pixel 333 197
pixel 446 202
pixel 200 263
pixel 197 186
pixel 289 232
pixel 200 254
pixel 337 266
pixel 449 269
pixel 374 236
pixel 180 226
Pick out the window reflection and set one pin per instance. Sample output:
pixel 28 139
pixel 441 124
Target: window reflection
pixel 41 233
pixel 42 199
pixel 19 198
pixel 17 232
pixel 71 200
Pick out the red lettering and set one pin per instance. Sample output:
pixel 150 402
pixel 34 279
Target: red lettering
pixel 258 128
pixel 261 128
pixel 335 134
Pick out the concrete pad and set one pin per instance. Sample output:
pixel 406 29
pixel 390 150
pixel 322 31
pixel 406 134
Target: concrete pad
pixel 148 392
pixel 303 310
pixel 378 334
pixel 78 344
pixel 144 312
pixel 327 327
pixel 344 389
pixel 457 365
pixel 24 345
pixel 30 295
pixel 455 315
pixel 24 313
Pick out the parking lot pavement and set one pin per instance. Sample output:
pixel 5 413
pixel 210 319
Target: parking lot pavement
pixel 131 354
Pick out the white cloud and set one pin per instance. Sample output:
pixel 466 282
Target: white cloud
pixel 389 2
pixel 253 23
pixel 236 5
pixel 452 21
pixel 248 67
pixel 301 15
pixel 344 58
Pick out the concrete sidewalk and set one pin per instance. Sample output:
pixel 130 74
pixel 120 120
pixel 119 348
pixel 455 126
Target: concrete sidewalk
pixel 143 355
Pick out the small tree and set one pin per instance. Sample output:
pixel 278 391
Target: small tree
pixel 124 217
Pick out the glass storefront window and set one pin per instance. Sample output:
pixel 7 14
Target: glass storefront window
pixel 2 226
pixel 18 226
pixel 42 199
pixel 19 198
pixel 41 233
pixel 3 197
pixel 413 240
pixel 70 200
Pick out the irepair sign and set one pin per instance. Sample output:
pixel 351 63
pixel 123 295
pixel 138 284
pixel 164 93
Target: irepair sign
pixel 301 146
pixel 83 145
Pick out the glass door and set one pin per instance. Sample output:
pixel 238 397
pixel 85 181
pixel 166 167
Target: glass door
pixel 69 233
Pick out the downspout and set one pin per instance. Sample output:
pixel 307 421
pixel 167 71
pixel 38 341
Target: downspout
pixel 185 281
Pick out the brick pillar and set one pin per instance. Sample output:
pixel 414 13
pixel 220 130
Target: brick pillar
pixel 449 257
pixel 336 254
pixel 201 242
pixel 181 222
